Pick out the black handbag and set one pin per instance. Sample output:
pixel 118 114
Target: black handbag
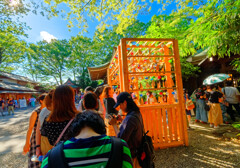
pixel 206 106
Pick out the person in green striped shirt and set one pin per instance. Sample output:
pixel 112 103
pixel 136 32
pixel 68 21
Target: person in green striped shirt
pixel 90 147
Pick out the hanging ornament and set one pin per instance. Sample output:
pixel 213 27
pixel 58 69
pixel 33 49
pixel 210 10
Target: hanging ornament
pixel 165 98
pixel 140 52
pixel 147 85
pixel 131 86
pixel 153 83
pixel 159 85
pixel 155 99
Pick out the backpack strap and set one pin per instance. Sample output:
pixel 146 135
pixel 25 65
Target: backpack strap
pixel 141 123
pixel 116 156
pixel 56 157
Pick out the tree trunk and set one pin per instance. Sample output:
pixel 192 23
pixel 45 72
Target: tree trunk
pixel 60 76
pixel 56 80
pixel 1 55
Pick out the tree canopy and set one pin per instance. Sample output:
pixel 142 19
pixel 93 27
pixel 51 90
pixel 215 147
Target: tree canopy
pixel 212 24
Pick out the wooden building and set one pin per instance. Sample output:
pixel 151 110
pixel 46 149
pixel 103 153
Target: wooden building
pixel 71 83
pixel 16 86
pixel 208 66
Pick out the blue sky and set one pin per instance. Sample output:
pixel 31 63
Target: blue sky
pixel 57 26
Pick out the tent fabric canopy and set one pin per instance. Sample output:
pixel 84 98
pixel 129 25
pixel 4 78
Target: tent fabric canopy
pixel 99 72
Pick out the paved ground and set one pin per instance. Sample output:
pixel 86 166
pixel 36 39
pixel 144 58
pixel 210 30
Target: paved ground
pixel 13 131
pixel 205 149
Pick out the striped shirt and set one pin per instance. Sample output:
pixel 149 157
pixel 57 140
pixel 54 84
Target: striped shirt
pixel 93 152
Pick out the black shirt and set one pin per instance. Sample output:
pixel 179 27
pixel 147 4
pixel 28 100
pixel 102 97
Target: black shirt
pixel 52 130
pixel 109 103
pixel 1 102
pixel 200 93
pixel 214 96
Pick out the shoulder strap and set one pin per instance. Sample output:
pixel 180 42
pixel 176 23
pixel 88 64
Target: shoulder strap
pixel 116 156
pixel 56 157
pixel 60 136
pixel 143 129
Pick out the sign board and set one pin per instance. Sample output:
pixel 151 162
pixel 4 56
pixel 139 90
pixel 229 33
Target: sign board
pixel 22 103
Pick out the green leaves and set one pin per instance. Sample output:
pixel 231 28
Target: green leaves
pixel 49 59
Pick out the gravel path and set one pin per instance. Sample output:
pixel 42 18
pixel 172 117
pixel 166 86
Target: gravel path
pixel 205 149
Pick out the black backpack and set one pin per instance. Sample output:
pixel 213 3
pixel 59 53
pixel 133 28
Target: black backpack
pixel 145 153
pixel 56 158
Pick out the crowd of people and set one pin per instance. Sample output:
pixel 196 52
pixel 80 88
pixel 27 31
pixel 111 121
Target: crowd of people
pixel 10 104
pixel 215 102
pixel 76 136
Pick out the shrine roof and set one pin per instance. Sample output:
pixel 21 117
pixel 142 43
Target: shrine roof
pixel 16 77
pixel 199 57
pixel 98 72
pixel 14 87
pixel 71 83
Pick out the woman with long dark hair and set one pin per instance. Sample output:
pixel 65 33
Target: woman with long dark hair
pixel 215 112
pixel 109 102
pixel 63 110
pixel 30 145
pixel 89 146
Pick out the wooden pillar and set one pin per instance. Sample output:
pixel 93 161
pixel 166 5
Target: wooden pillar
pixel 120 68
pixel 169 82
pixel 182 119
pixel 124 66
pixel 109 78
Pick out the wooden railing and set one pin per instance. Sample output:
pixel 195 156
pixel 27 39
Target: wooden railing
pixel 165 125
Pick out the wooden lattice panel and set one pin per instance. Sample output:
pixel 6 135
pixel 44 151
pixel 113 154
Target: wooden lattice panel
pixel 150 70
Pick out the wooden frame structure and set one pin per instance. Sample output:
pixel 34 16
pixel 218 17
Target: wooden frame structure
pixel 150 70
